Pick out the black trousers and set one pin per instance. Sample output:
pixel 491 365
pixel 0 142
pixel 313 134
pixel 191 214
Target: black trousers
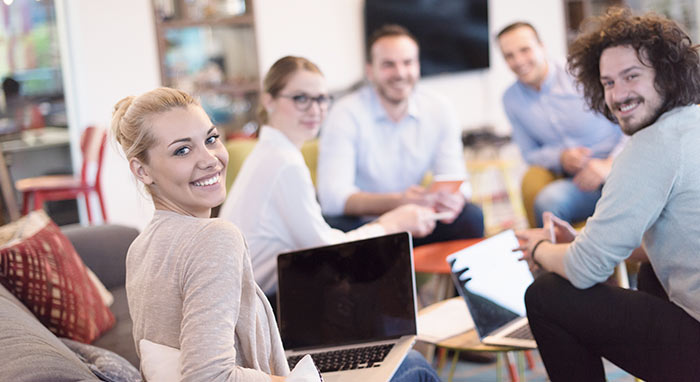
pixel 469 224
pixel 641 331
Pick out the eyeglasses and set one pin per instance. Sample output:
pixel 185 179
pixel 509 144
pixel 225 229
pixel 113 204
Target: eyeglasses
pixel 303 102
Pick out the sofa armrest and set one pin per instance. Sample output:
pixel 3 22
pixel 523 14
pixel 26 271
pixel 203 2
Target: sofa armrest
pixel 103 249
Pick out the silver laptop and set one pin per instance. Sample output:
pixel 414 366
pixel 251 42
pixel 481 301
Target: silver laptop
pixel 351 306
pixel 491 279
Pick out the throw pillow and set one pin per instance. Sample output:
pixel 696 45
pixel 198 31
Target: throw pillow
pixel 29 225
pixel 44 272
pixel 106 365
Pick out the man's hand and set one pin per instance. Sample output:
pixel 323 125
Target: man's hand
pixel 418 195
pixel 574 159
pixel 554 230
pixel 449 202
pixel 593 174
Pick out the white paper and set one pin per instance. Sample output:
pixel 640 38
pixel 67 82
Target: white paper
pixel 448 320
pixel 304 371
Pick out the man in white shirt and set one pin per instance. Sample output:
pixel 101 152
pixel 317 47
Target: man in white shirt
pixel 379 142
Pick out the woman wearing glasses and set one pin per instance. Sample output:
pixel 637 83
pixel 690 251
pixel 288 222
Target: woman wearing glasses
pixel 273 200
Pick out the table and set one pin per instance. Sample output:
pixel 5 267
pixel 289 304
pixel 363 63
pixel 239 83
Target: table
pixel 469 341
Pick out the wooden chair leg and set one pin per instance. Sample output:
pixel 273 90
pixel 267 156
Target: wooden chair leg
pixel 102 205
pixel 530 359
pixel 512 368
pixel 38 201
pixel 25 202
pixel 455 360
pixel 87 207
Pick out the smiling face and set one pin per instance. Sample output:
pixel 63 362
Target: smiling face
pixel 629 88
pixel 186 164
pixel 286 111
pixel 525 56
pixel 394 68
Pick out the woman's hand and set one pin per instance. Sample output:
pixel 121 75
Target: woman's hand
pixel 417 220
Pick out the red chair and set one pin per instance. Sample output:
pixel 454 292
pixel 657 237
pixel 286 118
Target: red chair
pixel 63 187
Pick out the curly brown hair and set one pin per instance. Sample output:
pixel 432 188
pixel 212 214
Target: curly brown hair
pixel 661 41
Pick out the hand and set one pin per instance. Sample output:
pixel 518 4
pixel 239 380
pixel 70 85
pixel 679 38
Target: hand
pixel 410 217
pixel 449 202
pixel 528 239
pixel 417 195
pixel 573 159
pixel 593 174
pixel 553 230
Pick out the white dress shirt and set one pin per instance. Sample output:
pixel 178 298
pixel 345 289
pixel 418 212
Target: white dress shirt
pixel 362 149
pixel 273 202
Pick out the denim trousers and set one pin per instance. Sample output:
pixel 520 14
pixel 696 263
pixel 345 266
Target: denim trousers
pixel 415 368
pixel 566 201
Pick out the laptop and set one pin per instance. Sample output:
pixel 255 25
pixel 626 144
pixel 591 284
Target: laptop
pixel 336 299
pixel 491 279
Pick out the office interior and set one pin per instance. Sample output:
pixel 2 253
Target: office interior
pixel 97 52
pixel 110 49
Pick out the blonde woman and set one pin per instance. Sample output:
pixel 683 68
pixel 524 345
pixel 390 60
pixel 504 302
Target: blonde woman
pixel 189 281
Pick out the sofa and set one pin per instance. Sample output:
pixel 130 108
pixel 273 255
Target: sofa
pixel 30 352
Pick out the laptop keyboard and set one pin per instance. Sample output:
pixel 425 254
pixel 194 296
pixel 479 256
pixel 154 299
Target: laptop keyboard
pixel 346 359
pixel 522 333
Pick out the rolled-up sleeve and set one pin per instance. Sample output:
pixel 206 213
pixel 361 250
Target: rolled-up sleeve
pixel 337 161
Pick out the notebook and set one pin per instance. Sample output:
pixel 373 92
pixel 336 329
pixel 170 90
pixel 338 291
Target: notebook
pixel 491 279
pixel 360 294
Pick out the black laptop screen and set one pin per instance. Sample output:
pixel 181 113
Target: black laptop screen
pixel 348 293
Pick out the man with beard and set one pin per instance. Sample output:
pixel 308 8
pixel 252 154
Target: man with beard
pixel 378 143
pixel 644 73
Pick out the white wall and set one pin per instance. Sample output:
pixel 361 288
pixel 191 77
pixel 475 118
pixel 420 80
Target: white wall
pixel 108 51
pixel 330 33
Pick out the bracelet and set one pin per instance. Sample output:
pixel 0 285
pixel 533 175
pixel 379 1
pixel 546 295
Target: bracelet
pixel 532 253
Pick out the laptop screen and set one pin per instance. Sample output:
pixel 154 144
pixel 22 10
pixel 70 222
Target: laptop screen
pixel 348 293
pixel 495 295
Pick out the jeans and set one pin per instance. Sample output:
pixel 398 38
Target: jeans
pixel 415 368
pixel 566 201
pixel 468 224
pixel 641 332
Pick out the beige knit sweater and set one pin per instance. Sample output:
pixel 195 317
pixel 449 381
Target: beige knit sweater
pixel 190 286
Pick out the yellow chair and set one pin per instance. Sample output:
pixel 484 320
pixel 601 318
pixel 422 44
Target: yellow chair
pixel 238 150
pixel 534 180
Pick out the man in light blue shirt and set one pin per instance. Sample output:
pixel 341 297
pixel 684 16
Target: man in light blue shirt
pixel 378 143
pixel 554 128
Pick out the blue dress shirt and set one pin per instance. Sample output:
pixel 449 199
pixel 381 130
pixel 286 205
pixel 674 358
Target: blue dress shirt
pixel 548 121
pixel 362 149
